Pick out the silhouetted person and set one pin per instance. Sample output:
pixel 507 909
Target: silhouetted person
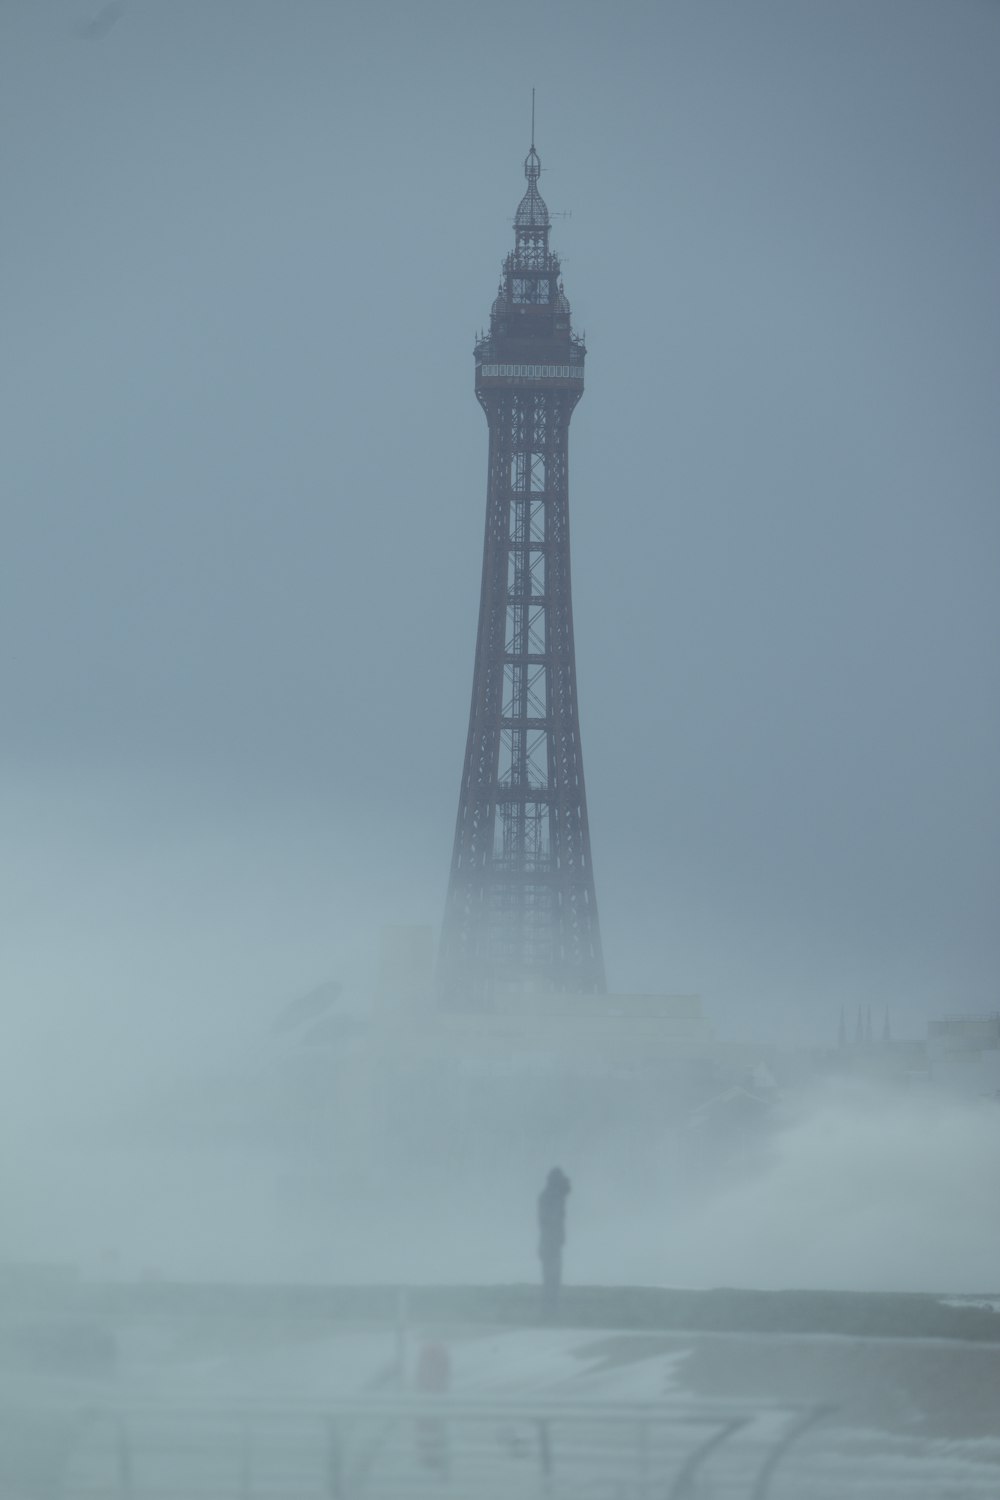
pixel 552 1237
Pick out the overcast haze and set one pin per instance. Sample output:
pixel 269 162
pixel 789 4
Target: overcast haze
pixel 246 250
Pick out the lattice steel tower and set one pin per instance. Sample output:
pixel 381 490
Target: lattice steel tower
pixel 521 913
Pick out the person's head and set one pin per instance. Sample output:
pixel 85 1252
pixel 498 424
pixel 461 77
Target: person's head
pixel 557 1181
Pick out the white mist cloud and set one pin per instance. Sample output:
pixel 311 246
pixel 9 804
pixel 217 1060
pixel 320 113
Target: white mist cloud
pixel 245 1174
pixel 859 1190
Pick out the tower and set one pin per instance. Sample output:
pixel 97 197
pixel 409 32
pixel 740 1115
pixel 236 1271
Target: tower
pixel 521 913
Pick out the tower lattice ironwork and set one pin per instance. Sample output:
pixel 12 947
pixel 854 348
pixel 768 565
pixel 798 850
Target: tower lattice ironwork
pixel 521 912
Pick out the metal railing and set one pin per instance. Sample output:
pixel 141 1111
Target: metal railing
pixel 393 1448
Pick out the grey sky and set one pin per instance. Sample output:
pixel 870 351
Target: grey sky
pixel 246 249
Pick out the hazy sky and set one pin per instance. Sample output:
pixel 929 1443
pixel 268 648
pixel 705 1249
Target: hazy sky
pixel 247 245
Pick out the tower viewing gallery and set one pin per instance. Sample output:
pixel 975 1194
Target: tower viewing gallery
pixel 521 911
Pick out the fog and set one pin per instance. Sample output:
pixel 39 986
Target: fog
pixel 332 1162
pixel 247 247
pixel 146 1138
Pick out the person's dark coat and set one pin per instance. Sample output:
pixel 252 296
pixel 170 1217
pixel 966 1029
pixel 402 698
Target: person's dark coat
pixel 552 1215
pixel 551 1238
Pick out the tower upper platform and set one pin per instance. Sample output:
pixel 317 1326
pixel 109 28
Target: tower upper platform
pixel 530 337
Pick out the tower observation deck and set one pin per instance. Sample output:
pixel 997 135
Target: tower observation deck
pixel 521 911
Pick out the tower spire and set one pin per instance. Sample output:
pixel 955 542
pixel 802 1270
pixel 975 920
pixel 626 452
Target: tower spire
pixel 531 222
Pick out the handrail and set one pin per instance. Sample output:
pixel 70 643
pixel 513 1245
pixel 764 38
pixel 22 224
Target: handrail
pixel 460 1434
